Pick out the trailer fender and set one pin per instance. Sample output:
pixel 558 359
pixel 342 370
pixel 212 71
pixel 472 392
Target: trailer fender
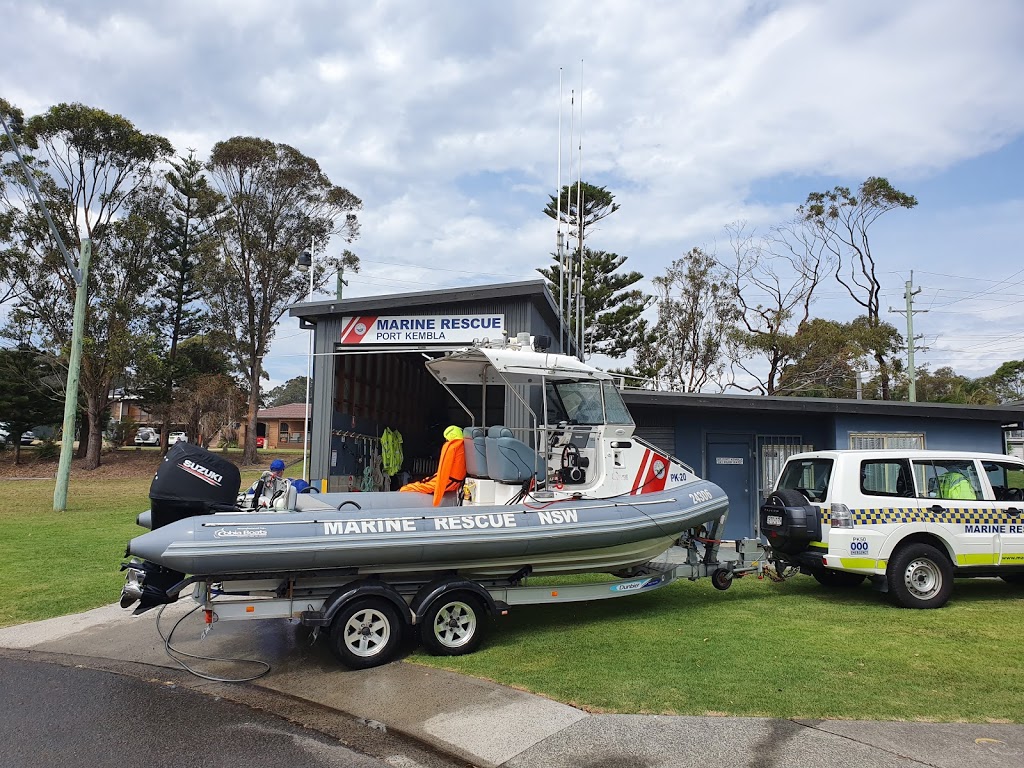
pixel 430 592
pixel 359 589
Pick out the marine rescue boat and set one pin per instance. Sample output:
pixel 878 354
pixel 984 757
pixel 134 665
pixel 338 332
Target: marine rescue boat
pixel 574 491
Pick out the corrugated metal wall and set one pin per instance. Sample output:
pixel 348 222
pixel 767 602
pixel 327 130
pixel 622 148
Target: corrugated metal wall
pixel 521 315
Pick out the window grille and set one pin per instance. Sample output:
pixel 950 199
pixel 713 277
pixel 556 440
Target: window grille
pixel 867 441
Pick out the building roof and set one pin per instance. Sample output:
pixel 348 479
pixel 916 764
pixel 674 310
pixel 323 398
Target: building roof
pixel 799 405
pixel 289 411
pixel 534 289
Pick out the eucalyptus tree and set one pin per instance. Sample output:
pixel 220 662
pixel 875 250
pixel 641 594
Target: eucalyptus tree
pixel 683 350
pixel 843 220
pixel 280 203
pixel 774 279
pixel 612 310
pixel 95 171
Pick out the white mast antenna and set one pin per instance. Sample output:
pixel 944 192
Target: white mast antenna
pixel 559 244
pixel 581 299
pixel 570 280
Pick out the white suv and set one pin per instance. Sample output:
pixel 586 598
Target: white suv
pixel 176 437
pixel 147 436
pixel 909 520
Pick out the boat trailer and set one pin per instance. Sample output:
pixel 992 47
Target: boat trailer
pixel 367 617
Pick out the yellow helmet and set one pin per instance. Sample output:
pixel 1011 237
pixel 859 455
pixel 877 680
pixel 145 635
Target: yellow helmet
pixel 453 433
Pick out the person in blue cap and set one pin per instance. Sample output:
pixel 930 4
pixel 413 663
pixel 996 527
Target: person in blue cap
pixel 277 468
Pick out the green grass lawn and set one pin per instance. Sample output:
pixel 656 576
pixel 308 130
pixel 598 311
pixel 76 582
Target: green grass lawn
pixel 784 650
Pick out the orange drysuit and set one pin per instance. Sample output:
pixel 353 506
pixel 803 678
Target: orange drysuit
pixel 451 467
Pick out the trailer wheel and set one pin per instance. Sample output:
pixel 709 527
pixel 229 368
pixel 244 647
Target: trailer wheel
pixel 919 576
pixel 366 633
pixel 721 579
pixel 453 625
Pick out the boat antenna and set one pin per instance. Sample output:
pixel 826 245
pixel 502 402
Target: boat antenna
pixel 559 244
pixel 570 296
pixel 581 332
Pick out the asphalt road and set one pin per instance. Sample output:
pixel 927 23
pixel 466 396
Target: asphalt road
pixel 53 716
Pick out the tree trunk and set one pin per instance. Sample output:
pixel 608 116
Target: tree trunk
pixel 249 451
pixel 82 423
pixel 94 439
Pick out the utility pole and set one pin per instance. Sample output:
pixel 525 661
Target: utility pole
pixel 80 273
pixel 909 295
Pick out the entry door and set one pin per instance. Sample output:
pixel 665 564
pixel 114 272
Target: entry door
pixel 730 467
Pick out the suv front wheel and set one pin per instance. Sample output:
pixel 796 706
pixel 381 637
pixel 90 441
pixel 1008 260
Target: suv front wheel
pixel 919 576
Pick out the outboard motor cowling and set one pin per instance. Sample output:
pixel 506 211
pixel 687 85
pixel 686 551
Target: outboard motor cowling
pixel 789 521
pixel 191 481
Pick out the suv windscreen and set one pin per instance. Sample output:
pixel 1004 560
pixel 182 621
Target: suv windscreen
pixel 809 476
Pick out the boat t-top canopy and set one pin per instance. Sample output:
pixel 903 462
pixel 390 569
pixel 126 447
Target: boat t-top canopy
pixel 474 365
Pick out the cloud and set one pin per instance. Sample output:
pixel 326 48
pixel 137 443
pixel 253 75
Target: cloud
pixel 443 117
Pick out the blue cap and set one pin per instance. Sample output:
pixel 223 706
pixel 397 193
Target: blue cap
pixel 277 466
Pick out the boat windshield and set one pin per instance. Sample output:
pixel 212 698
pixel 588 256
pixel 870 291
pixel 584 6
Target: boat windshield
pixel 579 402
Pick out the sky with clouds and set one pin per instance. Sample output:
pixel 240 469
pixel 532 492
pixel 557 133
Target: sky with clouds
pixel 443 118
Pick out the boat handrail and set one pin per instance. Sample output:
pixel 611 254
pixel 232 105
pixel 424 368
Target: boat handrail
pixel 653 447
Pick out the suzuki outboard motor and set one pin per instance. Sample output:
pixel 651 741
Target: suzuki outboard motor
pixel 191 481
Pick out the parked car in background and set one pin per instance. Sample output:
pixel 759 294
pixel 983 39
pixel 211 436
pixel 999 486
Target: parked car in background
pixel 261 442
pixel 176 437
pixel 27 438
pixel 147 436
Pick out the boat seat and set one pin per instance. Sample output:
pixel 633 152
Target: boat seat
pixel 475 442
pixel 509 460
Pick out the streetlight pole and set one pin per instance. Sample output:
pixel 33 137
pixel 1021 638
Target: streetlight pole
pixel 306 263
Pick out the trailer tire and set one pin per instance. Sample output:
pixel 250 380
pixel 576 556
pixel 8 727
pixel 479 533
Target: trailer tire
pixel 366 633
pixel 721 579
pixel 919 576
pixel 453 625
pixel 837 579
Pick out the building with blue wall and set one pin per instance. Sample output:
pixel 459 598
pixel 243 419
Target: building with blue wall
pixel 369 375
pixel 740 442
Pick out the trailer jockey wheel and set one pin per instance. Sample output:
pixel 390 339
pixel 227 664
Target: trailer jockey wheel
pixel 721 579
pixel 366 633
pixel 453 625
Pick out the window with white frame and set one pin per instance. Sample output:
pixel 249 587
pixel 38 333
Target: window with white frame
pixel 866 441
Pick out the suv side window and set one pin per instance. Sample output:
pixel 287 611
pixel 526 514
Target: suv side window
pixel 1007 480
pixel 947 479
pixel 809 476
pixel 886 477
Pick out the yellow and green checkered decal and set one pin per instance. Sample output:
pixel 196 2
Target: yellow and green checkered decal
pixel 954 515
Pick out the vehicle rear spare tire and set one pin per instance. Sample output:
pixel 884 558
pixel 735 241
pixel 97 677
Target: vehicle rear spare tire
pixel 919 576
pixel 838 579
pixel 787 497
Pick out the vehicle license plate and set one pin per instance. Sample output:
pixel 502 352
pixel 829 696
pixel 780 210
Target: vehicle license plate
pixel 773 519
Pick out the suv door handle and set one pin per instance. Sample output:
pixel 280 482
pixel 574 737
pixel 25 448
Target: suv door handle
pixel 1013 511
pixel 938 508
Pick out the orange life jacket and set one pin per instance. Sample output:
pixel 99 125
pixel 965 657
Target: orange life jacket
pixel 451 468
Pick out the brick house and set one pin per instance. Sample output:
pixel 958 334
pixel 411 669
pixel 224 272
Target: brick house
pixel 283 426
